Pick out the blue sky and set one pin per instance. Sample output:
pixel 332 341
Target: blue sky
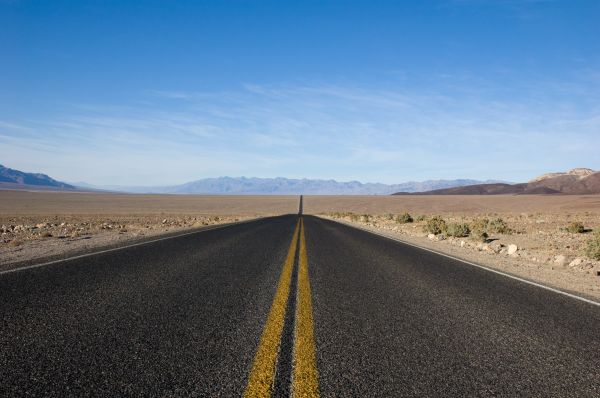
pixel 152 93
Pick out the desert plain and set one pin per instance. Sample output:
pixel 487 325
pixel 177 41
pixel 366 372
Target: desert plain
pixel 535 245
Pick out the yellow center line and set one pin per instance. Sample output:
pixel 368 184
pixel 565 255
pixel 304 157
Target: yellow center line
pixel 305 378
pixel 262 375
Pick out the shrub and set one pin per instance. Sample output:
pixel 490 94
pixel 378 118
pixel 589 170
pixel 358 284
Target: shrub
pixel 479 228
pixel 354 217
pixel 592 249
pixel 479 236
pixel 480 224
pixel 389 216
pixel 365 218
pixel 421 217
pixel 435 225
pixel 498 225
pixel 458 230
pixel 576 228
pixel 404 218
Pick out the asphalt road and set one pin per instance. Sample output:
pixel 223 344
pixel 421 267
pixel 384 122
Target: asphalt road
pixel 281 306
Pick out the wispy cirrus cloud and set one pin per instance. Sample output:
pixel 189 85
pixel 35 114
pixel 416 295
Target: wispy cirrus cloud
pixel 445 127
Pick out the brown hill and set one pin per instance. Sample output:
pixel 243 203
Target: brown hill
pixel 575 182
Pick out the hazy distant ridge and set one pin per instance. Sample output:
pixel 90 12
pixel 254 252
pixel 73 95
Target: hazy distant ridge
pixel 15 179
pixel 288 186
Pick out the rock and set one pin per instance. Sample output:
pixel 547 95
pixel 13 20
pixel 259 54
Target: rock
pixel 462 243
pixel 512 249
pixel 441 237
pixel 431 236
pixel 576 262
pixel 42 225
pixel 164 221
pixel 560 260
pixel 495 247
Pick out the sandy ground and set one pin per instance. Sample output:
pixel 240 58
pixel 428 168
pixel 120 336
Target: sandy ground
pixel 467 204
pixel 55 203
pixel 541 249
pixel 46 225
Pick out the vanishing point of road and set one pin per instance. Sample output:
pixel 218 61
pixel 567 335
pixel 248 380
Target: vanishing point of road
pixel 289 306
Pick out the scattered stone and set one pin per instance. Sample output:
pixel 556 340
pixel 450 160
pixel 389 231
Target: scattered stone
pixel 576 262
pixel 560 260
pixel 512 249
pixel 431 236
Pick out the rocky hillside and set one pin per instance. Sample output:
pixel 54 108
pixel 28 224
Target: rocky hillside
pixel 15 179
pixel 579 181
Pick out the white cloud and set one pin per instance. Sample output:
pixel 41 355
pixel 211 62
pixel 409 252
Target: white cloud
pixel 447 127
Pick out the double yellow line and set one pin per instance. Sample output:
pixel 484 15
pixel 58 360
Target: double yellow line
pixel 305 375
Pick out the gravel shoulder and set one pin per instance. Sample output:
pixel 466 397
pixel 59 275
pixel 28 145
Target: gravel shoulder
pixel 30 240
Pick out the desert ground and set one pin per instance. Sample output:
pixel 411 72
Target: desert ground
pixel 536 240
pixel 47 225
pixel 534 244
pixel 454 204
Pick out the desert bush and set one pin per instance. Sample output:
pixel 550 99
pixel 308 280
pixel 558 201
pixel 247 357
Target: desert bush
pixel 458 230
pixel 365 217
pixel 575 227
pixel 421 217
pixel 354 217
pixel 479 236
pixel 592 249
pixel 497 225
pixel 389 216
pixel 435 225
pixel 404 218
pixel 479 228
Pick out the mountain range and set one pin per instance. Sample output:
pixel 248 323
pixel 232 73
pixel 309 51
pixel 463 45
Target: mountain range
pixel 576 181
pixel 289 186
pixel 15 179
pixel 10 178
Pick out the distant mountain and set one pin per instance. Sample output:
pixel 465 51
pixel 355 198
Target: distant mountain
pixel 577 181
pixel 15 179
pixel 287 186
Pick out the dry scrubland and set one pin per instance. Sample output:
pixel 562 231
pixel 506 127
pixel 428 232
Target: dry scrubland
pixel 553 239
pixel 536 237
pixel 37 225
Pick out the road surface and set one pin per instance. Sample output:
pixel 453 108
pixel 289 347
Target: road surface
pixel 280 306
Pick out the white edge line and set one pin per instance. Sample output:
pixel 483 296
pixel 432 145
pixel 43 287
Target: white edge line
pixel 573 296
pixel 207 228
